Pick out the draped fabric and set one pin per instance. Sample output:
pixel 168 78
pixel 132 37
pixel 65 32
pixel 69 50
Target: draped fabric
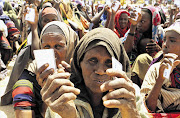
pixel 118 30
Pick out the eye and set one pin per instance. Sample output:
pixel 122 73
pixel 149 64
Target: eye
pixel 172 41
pixel 108 63
pixel 164 39
pixel 54 19
pixel 47 47
pixel 142 21
pixel 93 61
pixel 58 47
pixel 46 20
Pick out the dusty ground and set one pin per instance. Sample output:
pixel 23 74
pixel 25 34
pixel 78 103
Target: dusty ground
pixel 6 111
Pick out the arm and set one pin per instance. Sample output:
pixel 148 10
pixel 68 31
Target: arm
pixel 108 16
pixel 85 11
pixel 35 38
pixel 96 18
pixel 128 44
pixel 152 98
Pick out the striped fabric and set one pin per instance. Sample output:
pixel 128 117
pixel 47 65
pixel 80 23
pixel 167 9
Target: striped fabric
pixel 23 96
pixel 12 30
pixel 169 98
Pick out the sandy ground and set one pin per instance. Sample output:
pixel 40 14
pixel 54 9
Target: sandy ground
pixel 6 111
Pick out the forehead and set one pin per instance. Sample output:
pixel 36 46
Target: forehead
pixel 49 16
pixel 124 15
pixel 145 15
pixel 50 37
pixel 95 51
pixel 172 33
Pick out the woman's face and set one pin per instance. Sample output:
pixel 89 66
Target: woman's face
pixel 58 43
pixel 48 18
pixel 123 20
pixel 145 22
pixel 172 43
pixel 94 66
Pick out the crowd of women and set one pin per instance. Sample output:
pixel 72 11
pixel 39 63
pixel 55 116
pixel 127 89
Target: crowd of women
pixel 86 38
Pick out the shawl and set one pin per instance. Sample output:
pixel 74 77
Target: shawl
pixel 97 37
pixel 70 36
pixel 118 30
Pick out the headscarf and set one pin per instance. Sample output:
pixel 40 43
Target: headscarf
pixel 118 30
pixel 156 20
pixel 96 37
pixel 45 11
pixel 24 56
pixel 70 36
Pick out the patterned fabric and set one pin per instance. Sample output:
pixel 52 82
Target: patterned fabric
pixel 26 93
pixel 118 30
pixel 12 30
pixel 164 115
pixel 23 94
pixel 175 78
pixel 4 43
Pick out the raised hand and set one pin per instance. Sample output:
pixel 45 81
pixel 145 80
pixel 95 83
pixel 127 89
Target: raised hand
pixel 35 23
pixel 135 17
pixel 164 64
pixel 59 92
pixel 121 94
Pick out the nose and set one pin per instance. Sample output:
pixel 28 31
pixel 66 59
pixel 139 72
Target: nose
pixel 100 70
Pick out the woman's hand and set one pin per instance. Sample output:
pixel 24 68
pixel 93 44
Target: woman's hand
pixel 152 47
pixel 59 92
pixel 42 74
pixel 35 23
pixel 121 94
pixel 164 64
pixel 133 16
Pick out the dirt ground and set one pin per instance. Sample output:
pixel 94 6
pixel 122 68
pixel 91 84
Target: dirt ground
pixel 6 111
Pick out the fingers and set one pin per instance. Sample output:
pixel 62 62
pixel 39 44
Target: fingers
pixel 61 69
pixel 66 66
pixel 43 76
pixel 117 73
pixel 119 94
pixel 120 103
pixel 59 76
pixel 176 63
pixel 117 84
pixel 63 90
pixel 56 84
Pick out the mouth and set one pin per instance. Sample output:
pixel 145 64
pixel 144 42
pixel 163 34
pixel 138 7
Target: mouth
pixel 100 81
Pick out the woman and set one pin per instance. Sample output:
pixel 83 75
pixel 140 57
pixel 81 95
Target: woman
pixel 26 96
pixel 146 28
pixel 122 24
pixel 94 89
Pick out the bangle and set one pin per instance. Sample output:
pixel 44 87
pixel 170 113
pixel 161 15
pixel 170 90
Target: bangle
pixel 131 34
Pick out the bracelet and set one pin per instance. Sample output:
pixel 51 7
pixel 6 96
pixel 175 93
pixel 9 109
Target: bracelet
pixel 131 34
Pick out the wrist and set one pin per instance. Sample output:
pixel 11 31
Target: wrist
pixel 131 34
pixel 130 113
